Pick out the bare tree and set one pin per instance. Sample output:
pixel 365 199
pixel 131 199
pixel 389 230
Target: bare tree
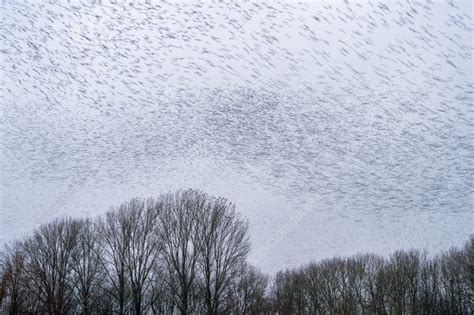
pixel 143 252
pixel 180 235
pixel 312 289
pixel 186 253
pixel 13 295
pixel 468 271
pixel 288 292
pixel 430 294
pixel 224 249
pixel 49 254
pixel 376 284
pixel 356 273
pixel 161 297
pixel 249 291
pixel 402 270
pixel 88 272
pixel 454 285
pixel 115 232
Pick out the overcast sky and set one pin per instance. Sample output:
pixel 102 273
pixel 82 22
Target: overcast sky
pixel 336 127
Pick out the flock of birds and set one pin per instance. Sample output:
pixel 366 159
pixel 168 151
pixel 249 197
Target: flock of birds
pixel 366 105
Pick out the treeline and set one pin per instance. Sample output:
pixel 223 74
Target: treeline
pixel 186 253
pixel 407 282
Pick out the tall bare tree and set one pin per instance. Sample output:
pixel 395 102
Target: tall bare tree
pixel 115 231
pixel 49 251
pixel 454 283
pixel 186 253
pixel 376 284
pixel 225 245
pixel 468 271
pixel 144 250
pixel 430 285
pixel 356 273
pixel 13 294
pixel 88 272
pixel 181 236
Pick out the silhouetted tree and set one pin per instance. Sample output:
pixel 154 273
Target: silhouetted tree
pixel 455 286
pixel 186 253
pixel 49 256
pixel 13 293
pixel 224 248
pixel 288 292
pixel 143 252
pixel 162 298
pixel 181 236
pixel 248 292
pixel 88 272
pixel 115 231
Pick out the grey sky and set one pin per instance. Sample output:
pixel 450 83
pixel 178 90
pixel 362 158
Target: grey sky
pixel 339 127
